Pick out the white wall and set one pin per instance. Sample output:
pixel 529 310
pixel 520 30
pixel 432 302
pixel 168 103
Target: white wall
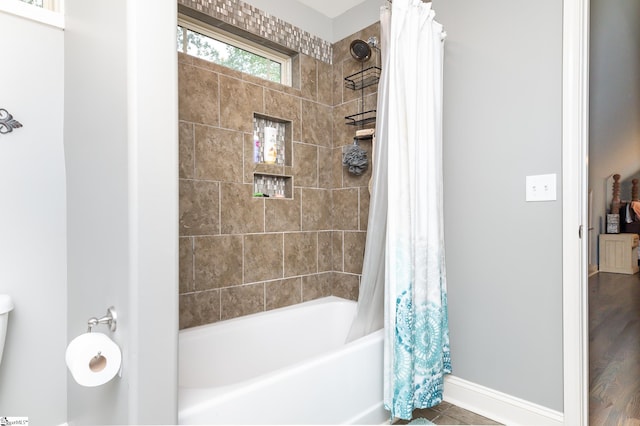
pixel 614 113
pixel 32 222
pixel 502 122
pixel 121 144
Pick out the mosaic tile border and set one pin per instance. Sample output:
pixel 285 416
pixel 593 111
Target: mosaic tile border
pixel 262 24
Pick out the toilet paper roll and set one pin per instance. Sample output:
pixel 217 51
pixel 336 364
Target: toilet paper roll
pixel 93 359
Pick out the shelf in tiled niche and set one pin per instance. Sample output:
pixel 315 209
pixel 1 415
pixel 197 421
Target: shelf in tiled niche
pixel 271 140
pixel 272 185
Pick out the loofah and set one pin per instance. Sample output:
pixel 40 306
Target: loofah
pixel 356 159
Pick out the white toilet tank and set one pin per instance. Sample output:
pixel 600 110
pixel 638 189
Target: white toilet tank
pixel 5 307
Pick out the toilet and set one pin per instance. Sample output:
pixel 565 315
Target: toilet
pixel 5 307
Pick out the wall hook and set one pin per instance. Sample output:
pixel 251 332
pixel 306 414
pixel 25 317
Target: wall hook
pixel 7 122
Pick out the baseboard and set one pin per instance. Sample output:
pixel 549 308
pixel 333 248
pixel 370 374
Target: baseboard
pixel 498 406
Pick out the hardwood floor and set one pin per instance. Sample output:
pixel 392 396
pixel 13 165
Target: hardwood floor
pixel 614 349
pixel 449 414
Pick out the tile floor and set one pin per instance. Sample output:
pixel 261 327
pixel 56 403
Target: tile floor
pixel 449 414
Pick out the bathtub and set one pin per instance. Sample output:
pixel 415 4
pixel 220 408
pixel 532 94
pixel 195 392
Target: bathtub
pixel 286 366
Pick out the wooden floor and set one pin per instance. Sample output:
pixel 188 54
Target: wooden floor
pixel 448 414
pixel 614 349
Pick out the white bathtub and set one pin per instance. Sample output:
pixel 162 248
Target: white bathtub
pixel 286 366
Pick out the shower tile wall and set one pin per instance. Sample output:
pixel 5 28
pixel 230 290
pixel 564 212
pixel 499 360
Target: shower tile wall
pixel 239 254
pixel 350 192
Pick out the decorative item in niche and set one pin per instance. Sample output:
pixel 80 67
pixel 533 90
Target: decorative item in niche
pixel 272 186
pixel 7 122
pixel 269 141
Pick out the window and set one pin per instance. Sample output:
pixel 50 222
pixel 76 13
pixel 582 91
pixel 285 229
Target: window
pixel 37 3
pixel 232 51
pixel 45 4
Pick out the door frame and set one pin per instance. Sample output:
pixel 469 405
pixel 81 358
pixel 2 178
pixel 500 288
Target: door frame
pixel 575 134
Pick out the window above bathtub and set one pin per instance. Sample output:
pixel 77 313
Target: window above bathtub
pixel 53 5
pixel 49 12
pixel 216 45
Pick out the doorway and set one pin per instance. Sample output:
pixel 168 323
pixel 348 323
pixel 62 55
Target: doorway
pixel 614 148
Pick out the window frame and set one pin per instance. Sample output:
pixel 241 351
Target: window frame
pixel 51 13
pixel 188 23
pixel 52 5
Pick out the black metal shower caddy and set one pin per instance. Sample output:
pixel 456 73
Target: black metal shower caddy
pixel 359 81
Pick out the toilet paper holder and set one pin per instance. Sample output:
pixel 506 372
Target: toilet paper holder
pixel 110 319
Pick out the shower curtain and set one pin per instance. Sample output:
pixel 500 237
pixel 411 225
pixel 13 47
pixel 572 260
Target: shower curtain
pixel 416 325
pixel 403 284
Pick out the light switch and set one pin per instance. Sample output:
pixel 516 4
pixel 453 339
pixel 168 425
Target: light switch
pixel 541 188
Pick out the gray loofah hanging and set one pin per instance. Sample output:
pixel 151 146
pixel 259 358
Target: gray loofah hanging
pixel 355 158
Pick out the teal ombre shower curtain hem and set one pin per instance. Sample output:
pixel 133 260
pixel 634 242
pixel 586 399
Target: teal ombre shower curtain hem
pixel 415 317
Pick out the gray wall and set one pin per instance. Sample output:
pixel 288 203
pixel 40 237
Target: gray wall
pixel 121 157
pixel 356 18
pixel 97 192
pixel 614 109
pixel 502 122
pixel 32 222
pixel 297 14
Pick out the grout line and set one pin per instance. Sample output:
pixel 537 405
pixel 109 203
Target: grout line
pixel 244 158
pixel 317 78
pixel 301 213
pixel 219 106
pixel 359 226
pixel 219 208
pixel 219 305
pixel 193 149
pixel 193 260
pixel 243 254
pixel 342 250
pixel 301 289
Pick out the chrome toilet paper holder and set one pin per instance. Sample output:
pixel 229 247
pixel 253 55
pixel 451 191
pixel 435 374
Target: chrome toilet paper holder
pixel 110 319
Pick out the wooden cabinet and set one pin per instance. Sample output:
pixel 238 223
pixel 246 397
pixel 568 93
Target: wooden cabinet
pixel 619 253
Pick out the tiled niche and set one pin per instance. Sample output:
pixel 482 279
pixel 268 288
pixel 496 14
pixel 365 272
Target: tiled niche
pixel 272 150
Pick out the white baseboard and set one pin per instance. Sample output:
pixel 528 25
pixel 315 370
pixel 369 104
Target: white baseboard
pixel 498 406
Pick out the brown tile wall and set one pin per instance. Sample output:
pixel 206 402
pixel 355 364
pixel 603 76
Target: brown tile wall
pixel 350 192
pixel 241 255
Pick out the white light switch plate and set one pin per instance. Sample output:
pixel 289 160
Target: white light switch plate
pixel 541 188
